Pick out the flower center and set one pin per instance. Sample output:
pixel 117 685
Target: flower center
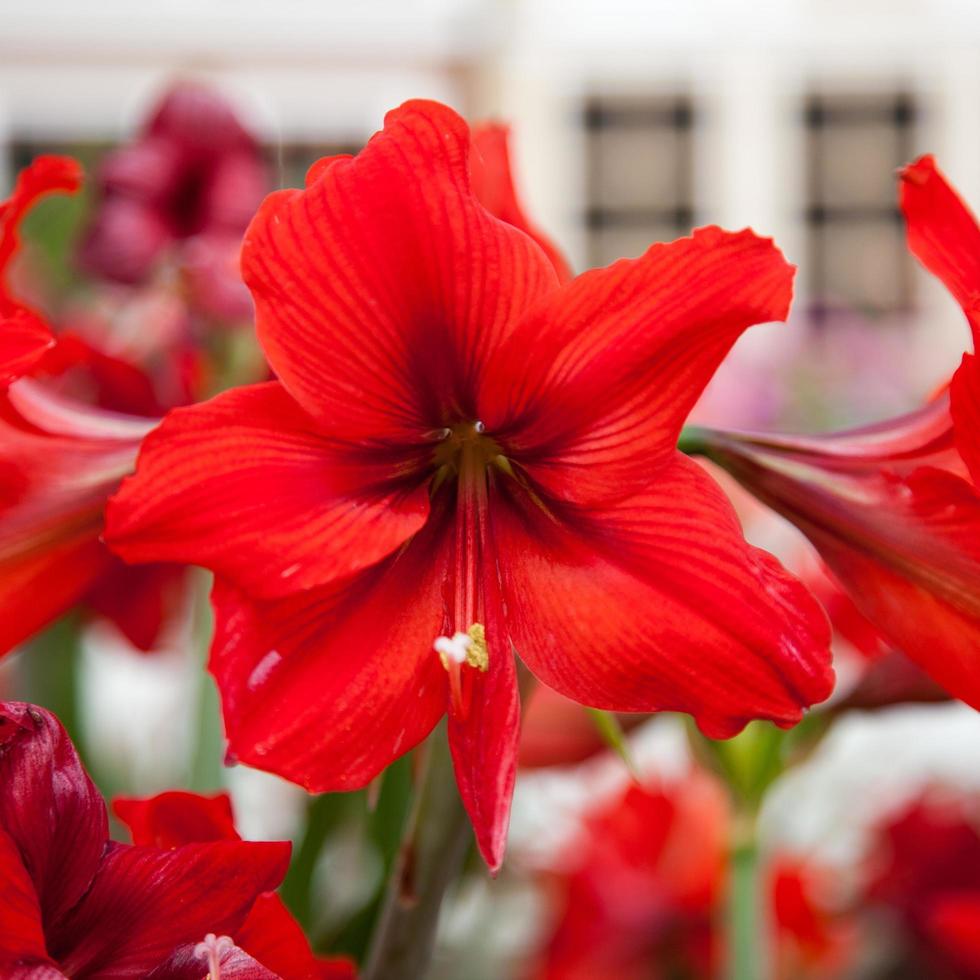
pixel 211 950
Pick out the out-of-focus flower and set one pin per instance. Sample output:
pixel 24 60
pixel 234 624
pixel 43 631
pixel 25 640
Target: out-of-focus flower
pixel 462 453
pixel 639 893
pixel 893 508
pixel 76 904
pixel 191 183
pixel 270 935
pixel 926 876
pixel 24 335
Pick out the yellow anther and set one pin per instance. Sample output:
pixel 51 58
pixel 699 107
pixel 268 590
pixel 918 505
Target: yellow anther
pixel 477 654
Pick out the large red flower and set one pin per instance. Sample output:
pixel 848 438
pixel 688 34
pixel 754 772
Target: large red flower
pixel 462 452
pixel 894 508
pixel 76 904
pixel 270 935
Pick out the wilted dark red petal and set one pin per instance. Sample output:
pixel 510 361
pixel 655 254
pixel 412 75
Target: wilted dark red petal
pixel 658 603
pixel 145 902
pixel 248 486
pixel 24 340
pixel 621 355
pixel 943 234
pixel 964 407
pixel 382 287
pixel 329 686
pixel 493 184
pixel 21 931
pixel 49 807
pixel 174 818
pixel 44 175
pixel 484 732
pixel 141 600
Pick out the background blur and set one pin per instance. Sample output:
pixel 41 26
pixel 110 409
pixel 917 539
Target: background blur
pixel 633 120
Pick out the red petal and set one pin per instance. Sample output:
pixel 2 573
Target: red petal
pixel 923 597
pixel 493 184
pixel 144 902
pixel 24 339
pixel 658 603
pixel 49 807
pixel 621 355
pixel 247 485
pixel 329 686
pixel 954 923
pixel 21 933
pixel 175 818
pixel 943 234
pixel 45 175
pixel 964 407
pixel 484 737
pixel 274 938
pixel 382 287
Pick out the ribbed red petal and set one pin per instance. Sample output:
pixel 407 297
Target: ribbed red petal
pixel 174 818
pixel 484 738
pixel 943 234
pixel 145 902
pixel 329 686
pixel 382 287
pixel 49 807
pixel 493 184
pixel 247 485
pixel 658 603
pixel 620 356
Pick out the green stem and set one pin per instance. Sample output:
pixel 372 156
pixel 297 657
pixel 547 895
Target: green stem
pixel 431 857
pixel 747 937
pixel 691 441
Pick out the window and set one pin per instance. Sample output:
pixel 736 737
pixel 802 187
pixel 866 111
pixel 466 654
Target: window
pixel 640 173
pixel 857 259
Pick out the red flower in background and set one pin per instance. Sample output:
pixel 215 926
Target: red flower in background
pixel 270 935
pixel 76 904
pixel 927 877
pixel 462 452
pixel 192 180
pixel 59 461
pixel 639 894
pixel 893 508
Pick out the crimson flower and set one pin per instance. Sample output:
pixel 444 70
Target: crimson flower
pixel 270 935
pixel 192 180
pixel 926 879
pixel 461 453
pixel 893 508
pixel 76 904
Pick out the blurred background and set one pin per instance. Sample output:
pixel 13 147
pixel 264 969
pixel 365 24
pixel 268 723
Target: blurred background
pixel 632 122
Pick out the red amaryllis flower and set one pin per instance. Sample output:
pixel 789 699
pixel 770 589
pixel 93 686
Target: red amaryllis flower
pixel 462 453
pixel 76 904
pixel 193 179
pixel 893 508
pixel 926 876
pixel 24 336
pixel 270 935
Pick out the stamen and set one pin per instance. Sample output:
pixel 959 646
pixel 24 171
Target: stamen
pixel 212 949
pixel 453 649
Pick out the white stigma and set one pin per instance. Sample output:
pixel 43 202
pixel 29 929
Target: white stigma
pixel 212 949
pixel 479 428
pixel 453 648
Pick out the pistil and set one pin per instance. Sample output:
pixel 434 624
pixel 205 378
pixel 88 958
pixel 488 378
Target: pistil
pixel 211 950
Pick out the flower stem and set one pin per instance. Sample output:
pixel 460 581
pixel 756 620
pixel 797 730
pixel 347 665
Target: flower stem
pixel 431 857
pixel 747 937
